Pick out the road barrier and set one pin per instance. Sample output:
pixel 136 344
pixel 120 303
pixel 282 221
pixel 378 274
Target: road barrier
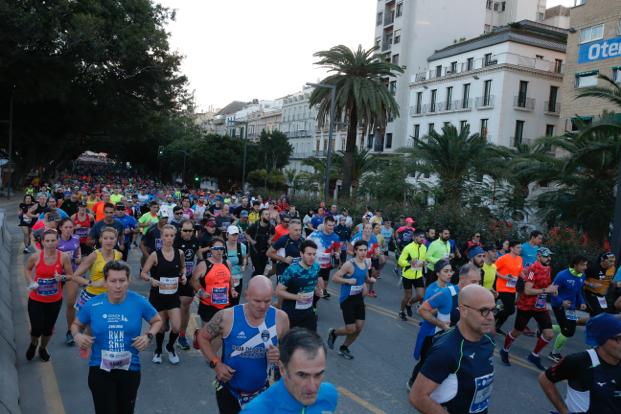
pixel 9 386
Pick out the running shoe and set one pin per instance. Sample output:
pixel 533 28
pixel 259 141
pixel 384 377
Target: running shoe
pixel 504 357
pixel 331 338
pixel 172 355
pixel 500 332
pixel 69 339
pixel 408 309
pixel 555 356
pixel 43 354
pixel 183 343
pixel 25 251
pixel 396 272
pixel 30 353
pixel 536 361
pixel 372 294
pixel 157 358
pixel 402 316
pixel 325 294
pixel 344 352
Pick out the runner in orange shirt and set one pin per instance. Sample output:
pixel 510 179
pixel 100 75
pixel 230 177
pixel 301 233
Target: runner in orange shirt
pixel 508 269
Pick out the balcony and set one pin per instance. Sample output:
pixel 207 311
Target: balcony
pixel 552 108
pixel 416 111
pixel 484 102
pixel 386 44
pixel 522 103
pixel 389 19
pixel 515 141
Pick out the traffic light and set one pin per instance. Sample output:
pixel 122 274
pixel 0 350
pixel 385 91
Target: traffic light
pixel 196 178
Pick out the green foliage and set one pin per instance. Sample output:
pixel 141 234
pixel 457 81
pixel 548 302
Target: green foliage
pixel 274 150
pixel 271 180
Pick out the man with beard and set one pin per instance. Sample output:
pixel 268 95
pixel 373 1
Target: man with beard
pixel 259 235
pixel 187 242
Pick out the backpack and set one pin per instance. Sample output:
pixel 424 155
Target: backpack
pixel 240 257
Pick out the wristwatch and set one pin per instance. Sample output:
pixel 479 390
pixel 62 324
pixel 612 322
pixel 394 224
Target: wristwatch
pixel 149 335
pixel 213 363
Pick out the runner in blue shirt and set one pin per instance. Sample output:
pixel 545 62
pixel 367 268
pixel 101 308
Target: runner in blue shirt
pixel 115 320
pixel 530 248
pixel 301 389
pixel 458 374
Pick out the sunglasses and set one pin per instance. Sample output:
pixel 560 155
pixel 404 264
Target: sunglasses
pixel 187 231
pixel 483 311
pixel 218 248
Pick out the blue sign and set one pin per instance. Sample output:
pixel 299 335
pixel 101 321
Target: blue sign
pixel 600 50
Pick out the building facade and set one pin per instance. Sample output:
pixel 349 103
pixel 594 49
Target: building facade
pixel 593 48
pixel 504 85
pixel 407 32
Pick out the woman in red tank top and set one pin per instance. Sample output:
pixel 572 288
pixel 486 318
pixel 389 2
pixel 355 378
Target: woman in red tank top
pixel 45 271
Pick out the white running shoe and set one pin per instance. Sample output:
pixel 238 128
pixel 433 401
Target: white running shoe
pixel 173 358
pixel 157 358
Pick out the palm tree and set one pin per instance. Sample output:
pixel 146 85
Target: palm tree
pixel 455 157
pixel 362 96
pixel 316 178
pixel 362 162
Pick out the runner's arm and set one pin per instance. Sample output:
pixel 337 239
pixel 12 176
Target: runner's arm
pixel 346 269
pixel 420 396
pixel 404 258
pixel 427 312
pixel 213 329
pixel 282 323
pixel 199 271
pixel 30 264
pixel 151 260
pixel 272 254
pixel 281 292
pixel 550 390
pixel 82 268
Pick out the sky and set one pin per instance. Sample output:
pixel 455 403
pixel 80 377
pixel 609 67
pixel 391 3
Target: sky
pixel 263 49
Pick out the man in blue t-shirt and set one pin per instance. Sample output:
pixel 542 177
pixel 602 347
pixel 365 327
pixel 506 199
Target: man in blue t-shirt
pixel 301 389
pixel 458 374
pixel 529 248
pixel 286 250
pixel 129 225
pixel 297 287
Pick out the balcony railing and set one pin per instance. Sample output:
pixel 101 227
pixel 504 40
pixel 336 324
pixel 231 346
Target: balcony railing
pixel 483 102
pixel 552 108
pixel 523 103
pixel 515 141
pixel 386 45
pixel 389 19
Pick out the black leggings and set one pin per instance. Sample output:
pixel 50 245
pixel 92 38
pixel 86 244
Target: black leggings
pixel 568 328
pixel 259 261
pixel 508 307
pixel 114 391
pixel 227 403
pixel 428 341
pixel 43 317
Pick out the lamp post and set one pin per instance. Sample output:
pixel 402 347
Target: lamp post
pixel 332 88
pixel 245 139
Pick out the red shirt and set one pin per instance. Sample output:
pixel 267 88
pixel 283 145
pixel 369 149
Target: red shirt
pixel 280 231
pixel 539 276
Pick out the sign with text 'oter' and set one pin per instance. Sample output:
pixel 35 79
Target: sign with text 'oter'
pixel 600 50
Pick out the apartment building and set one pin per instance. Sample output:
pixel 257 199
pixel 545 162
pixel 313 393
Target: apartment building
pixel 504 85
pixel 593 48
pixel 254 117
pixel 407 32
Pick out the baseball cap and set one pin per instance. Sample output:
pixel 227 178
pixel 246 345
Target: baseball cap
pixel 409 220
pixel 232 229
pixel 475 251
pixel 211 223
pixel 119 206
pixel 243 213
pixel 545 252
pixel 601 328
pixel 162 214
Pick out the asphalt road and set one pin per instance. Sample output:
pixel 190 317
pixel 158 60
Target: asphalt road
pixel 374 381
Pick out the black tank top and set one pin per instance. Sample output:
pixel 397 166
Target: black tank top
pixel 165 268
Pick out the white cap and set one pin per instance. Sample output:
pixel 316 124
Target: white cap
pixel 232 229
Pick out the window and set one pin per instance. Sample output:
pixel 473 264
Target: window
pixel 462 125
pixel 453 67
pixel 521 102
pixel 486 28
pixel 503 6
pixel 483 129
pixel 378 41
pixel 419 102
pixel 416 131
pixel 431 128
pixel 487 60
pixel 465 97
pixel 487 90
pixel 519 132
pixel 616 74
pixel 449 97
pixel 397 36
pixel 538 56
pixel 558 65
pixel 389 140
pixel 470 64
pixel 432 101
pixel 392 87
pixel 549 130
pixel 589 34
pixel 378 21
pixel 395 59
pixel 586 79
pixel 438 71
pixel 489 5
pixel 552 99
pixel 370 141
pixel 399 9
pixel 540 16
pixel 496 6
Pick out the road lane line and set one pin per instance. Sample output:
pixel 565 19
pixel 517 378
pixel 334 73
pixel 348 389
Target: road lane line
pixel 363 403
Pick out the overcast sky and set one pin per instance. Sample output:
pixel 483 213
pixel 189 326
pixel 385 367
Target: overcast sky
pixel 246 49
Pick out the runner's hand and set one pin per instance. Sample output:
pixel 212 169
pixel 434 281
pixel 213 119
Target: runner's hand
pixel 583 306
pixel 184 280
pixel 234 294
pixel 288 260
pixel 273 354
pixel 154 283
pixel 352 282
pixel 566 304
pixel 33 286
pixel 84 341
pixel 552 289
pixel 224 373
pixel 140 342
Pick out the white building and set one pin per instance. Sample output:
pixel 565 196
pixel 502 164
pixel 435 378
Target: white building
pixel 505 85
pixel 409 31
pixel 254 117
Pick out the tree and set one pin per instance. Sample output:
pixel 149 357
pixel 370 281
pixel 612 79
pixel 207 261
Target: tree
pixel 362 96
pixel 273 150
pixel 362 162
pixel 455 157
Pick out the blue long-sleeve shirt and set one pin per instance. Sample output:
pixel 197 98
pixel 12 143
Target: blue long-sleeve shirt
pixel 569 288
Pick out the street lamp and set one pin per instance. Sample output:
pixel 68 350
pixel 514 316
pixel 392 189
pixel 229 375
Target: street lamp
pixel 245 139
pixel 332 88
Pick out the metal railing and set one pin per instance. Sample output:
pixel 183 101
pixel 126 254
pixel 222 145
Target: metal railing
pixel 515 141
pixel 523 103
pixel 552 108
pixel 484 102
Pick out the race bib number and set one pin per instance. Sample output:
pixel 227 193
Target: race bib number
pixel 115 360
pixel 295 260
pixel 189 268
pixel 356 290
pixel 602 302
pixel 324 259
pixel 540 303
pixel 306 301
pixel 570 315
pixel 482 392
pixel 512 282
pixel 81 232
pixel 47 286
pixel 220 296
pixel 168 285
pixel 418 265
pixel 158 244
pixel 26 219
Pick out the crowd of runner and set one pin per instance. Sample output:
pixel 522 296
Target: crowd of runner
pixel 261 338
